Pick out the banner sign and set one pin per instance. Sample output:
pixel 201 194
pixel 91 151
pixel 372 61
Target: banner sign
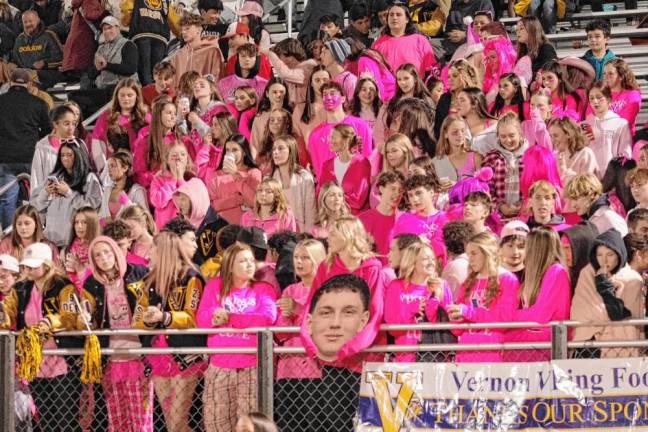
pixel 601 394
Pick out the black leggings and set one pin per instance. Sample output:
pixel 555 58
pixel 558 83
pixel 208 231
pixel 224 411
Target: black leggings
pixel 57 402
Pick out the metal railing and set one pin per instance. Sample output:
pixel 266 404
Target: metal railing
pixel 558 347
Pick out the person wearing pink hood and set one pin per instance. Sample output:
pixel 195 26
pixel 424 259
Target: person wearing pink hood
pixel 416 296
pixel 234 299
pixel 111 295
pixel 545 295
pixel 488 287
pixel 350 252
pixel 318 147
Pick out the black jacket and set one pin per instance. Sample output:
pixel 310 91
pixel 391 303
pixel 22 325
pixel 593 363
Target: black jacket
pixel 20 129
pixel 206 236
pixel 94 288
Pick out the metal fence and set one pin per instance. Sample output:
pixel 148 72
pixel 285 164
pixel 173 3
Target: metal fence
pixel 285 384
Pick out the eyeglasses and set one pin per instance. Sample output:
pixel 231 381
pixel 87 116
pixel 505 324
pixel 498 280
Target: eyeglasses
pixel 70 141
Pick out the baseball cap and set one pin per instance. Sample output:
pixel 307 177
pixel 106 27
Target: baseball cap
pixel 20 76
pixel 36 254
pixel 10 263
pixel 235 29
pixel 251 8
pixel 110 20
pixel 515 227
pixel 253 236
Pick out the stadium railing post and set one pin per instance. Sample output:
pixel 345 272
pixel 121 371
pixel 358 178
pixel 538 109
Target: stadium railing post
pixel 559 341
pixel 265 372
pixel 7 411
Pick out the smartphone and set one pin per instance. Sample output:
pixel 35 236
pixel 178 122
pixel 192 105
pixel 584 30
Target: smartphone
pixel 229 156
pixel 52 179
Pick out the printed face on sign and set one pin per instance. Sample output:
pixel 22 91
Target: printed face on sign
pixel 337 316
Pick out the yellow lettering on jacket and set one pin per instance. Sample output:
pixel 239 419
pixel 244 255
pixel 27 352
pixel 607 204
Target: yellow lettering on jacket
pixel 30 48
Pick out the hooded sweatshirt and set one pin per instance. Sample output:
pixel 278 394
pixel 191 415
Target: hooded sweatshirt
pixel 601 215
pixel 598 63
pixel 507 169
pixel 601 298
pixel 206 59
pixel 580 238
pixel 196 190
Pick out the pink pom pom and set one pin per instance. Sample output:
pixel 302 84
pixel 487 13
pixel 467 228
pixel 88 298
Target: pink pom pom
pixel 123 198
pixel 484 174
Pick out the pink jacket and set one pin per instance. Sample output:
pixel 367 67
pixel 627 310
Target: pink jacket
pixel 384 78
pixel 506 299
pixel 611 139
pixel 414 48
pixel 380 227
pixel 228 85
pixel 250 306
pixel 98 145
pixel 271 224
pixel 371 271
pixel 161 193
pixel 295 366
pixel 348 82
pixel 355 183
pixel 228 194
pixel 535 130
pixel 402 306
pixel 430 226
pixel 318 146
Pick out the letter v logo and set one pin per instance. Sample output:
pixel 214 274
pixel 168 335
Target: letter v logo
pixel 390 416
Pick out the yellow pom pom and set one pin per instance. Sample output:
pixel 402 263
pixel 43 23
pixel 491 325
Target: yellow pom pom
pixel 30 352
pixel 91 369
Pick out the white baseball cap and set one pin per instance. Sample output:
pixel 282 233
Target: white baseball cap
pixel 515 227
pixel 36 254
pixel 10 263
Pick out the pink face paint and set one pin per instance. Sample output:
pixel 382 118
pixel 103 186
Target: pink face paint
pixel 332 101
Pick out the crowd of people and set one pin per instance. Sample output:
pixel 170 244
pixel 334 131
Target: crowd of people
pixel 335 182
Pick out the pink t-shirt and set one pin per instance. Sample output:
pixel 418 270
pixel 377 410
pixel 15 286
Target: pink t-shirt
pixel 380 227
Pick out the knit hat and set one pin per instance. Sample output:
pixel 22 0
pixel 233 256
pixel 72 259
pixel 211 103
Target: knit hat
pixel 340 49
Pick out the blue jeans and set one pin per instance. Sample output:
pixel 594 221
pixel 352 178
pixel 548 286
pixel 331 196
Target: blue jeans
pixel 9 199
pixel 545 10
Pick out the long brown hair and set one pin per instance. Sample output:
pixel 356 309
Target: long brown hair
pixel 92 224
pixel 628 79
pixel 293 154
pixel 443 146
pixel 227 263
pixel 542 250
pixel 156 147
pixel 536 37
pixel 30 212
pixel 137 115
pixel 171 264
pixel 487 244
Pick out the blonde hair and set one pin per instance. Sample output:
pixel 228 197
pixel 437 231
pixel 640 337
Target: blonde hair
pixel 141 215
pixel 324 216
pixel 542 186
pixel 315 250
pixel 404 144
pixel 250 93
pixel 358 241
pixel 467 72
pixel 575 139
pixel 638 176
pixel 542 250
pixel 280 205
pixel 171 264
pixel 409 258
pixel 486 242
pixel 584 185
pixel 443 146
pixel 227 263
pixel 348 134
pixel 510 118
pixel 164 164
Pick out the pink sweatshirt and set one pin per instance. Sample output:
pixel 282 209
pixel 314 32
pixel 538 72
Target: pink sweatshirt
pixel 161 193
pixel 243 119
pixel 380 227
pixel 535 130
pixel 431 226
pixel 355 183
pixel 318 140
pixel 611 139
pixel 402 306
pixel 250 306
pixel 505 299
pixel 299 365
pixel 552 303
pixel 414 48
pixel 626 103
pixel 228 194
pixel 271 224
pixel 384 78
pixel 228 85
pixel 370 270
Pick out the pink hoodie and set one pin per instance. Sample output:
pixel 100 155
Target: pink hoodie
pixel 271 224
pixel 535 130
pixel 355 183
pixel 627 103
pixel 552 303
pixel 250 306
pixel 430 226
pixel 196 190
pixel 161 193
pixel 349 355
pixel 402 306
pixel 384 78
pixel 299 365
pixel 611 139
pixel 506 299
pixel 229 193
pixel 414 48
pixel 318 141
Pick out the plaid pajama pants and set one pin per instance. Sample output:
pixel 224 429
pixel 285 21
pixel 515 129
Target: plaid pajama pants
pixel 229 394
pixel 129 402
